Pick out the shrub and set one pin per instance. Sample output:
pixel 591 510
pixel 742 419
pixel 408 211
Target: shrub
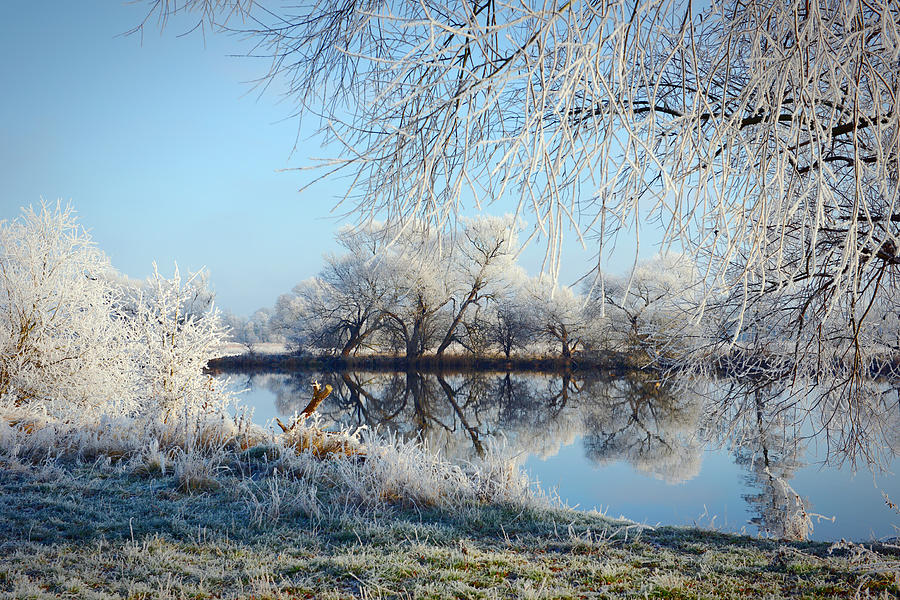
pixel 80 343
pixel 59 339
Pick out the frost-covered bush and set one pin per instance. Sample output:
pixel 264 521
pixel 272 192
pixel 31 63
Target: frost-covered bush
pixel 367 469
pixel 59 340
pixel 173 333
pixel 80 343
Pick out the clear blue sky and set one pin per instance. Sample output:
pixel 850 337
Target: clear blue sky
pixel 165 150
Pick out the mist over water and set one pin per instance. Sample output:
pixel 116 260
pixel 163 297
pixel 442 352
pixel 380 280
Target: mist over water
pixel 720 453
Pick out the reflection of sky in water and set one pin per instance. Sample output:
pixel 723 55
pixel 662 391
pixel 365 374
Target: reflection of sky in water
pixel 717 492
pixel 618 489
pixel 715 496
pixel 262 401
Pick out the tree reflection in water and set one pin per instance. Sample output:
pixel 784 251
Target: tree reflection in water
pixel 653 427
pixel 768 426
pixel 658 428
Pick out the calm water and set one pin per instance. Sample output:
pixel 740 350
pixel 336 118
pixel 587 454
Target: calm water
pixel 712 453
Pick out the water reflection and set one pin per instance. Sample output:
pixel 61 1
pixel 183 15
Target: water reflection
pixel 658 428
pixel 654 427
pixel 769 427
pixel 771 449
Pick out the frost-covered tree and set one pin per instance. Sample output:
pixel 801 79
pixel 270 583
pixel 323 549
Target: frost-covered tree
pixel 422 276
pixel 343 306
pixel 508 327
pixel 652 309
pixel 557 316
pixel 359 286
pixel 506 321
pixel 297 316
pixel 483 254
pixel 250 331
pixel 79 341
pixel 407 290
pixel 762 137
pixel 58 299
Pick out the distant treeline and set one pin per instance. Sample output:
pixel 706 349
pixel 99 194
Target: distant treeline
pixel 414 297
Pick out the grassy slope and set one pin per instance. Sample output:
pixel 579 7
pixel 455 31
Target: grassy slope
pixel 85 533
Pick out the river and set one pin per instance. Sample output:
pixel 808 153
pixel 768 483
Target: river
pixel 718 453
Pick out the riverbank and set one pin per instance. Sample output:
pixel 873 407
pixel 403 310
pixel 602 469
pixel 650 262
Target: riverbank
pixel 103 532
pixel 612 363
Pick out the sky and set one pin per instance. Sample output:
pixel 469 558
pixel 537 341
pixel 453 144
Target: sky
pixel 168 153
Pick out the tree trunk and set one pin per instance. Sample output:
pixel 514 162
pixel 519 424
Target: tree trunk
pixel 564 339
pixel 355 341
pixel 352 343
pixel 448 338
pixel 414 344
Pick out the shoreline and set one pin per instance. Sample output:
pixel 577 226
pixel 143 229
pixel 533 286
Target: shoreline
pixel 249 362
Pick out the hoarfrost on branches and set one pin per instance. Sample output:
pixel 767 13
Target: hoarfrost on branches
pixel 174 338
pixel 57 300
pixel 80 341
